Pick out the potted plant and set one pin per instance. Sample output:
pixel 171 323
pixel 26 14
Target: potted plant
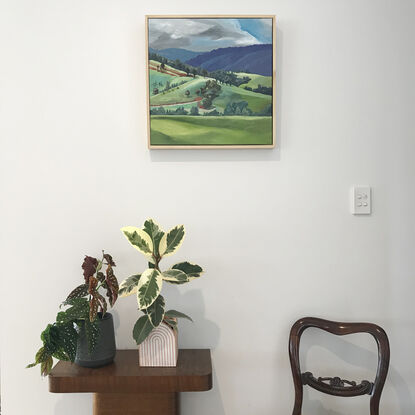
pixel 156 330
pixel 84 332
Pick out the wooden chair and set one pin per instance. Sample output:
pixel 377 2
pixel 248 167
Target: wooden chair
pixel 336 386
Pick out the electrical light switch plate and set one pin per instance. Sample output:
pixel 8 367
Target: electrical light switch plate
pixel 361 202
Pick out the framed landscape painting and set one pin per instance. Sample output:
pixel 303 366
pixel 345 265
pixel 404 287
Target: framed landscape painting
pixel 211 81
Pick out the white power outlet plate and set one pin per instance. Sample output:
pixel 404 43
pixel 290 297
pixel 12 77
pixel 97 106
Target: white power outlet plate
pixel 361 202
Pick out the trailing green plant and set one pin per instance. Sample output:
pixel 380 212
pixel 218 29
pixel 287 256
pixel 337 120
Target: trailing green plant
pixel 82 307
pixel 155 244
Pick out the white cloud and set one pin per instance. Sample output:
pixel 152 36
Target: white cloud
pixel 197 34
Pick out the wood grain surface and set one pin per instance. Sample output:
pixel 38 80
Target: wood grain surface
pixel 192 373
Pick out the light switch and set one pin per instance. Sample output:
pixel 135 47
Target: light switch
pixel 361 202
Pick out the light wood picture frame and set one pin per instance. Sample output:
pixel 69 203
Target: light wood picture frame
pixel 210 81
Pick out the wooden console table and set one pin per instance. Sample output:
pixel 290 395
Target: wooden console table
pixel 125 388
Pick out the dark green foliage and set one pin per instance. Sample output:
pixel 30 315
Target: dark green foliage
pixel 209 92
pixel 237 108
pixel 266 90
pixel 213 113
pixel 194 111
pixel 192 270
pixel 60 338
pixel 142 329
pixel 156 311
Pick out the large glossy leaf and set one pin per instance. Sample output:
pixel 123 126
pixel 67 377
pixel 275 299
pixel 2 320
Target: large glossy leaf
pixel 177 314
pixel 129 286
pixel 148 287
pixel 172 240
pixel 139 239
pixel 153 230
pixel 192 270
pixel 175 276
pixel 142 329
pixel 156 311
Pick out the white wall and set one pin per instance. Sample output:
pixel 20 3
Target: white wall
pixel 272 227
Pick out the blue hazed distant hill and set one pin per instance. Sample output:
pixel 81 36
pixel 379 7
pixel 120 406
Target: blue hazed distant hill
pixel 176 53
pixel 254 59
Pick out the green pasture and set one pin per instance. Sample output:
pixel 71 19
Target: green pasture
pixel 179 94
pixel 256 102
pixel 255 80
pixel 209 130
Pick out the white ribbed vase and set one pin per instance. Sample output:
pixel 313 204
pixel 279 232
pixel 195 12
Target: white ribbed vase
pixel 160 348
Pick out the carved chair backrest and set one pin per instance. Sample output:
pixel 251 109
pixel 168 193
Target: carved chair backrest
pixel 337 386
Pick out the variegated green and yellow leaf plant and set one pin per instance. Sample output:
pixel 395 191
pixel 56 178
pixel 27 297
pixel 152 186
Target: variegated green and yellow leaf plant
pixel 155 244
pixel 85 302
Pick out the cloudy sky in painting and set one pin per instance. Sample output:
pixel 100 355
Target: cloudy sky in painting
pixel 202 35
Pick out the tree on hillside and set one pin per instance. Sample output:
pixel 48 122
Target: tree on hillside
pixel 162 66
pixel 209 92
pixel 194 111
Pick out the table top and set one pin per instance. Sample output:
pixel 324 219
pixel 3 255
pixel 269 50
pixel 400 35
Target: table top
pixel 192 373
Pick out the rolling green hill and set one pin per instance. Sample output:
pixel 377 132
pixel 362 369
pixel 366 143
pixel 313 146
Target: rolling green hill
pixel 222 130
pixel 256 102
pixel 256 80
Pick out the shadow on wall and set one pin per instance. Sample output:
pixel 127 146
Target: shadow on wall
pixel 203 333
pixel 358 357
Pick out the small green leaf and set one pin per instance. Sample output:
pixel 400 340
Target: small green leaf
pixel 171 241
pixel 46 366
pixel 156 311
pixel 192 270
pixel 142 329
pixel 177 314
pixel 148 287
pixel 42 355
pixel 139 239
pixel 129 286
pixel 175 276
